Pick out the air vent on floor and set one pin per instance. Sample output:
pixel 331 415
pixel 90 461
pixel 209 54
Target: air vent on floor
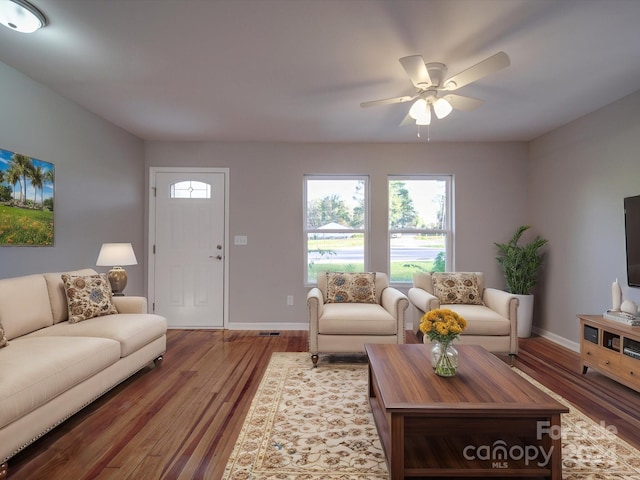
pixel 269 334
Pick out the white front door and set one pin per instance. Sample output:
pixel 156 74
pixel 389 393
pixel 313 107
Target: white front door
pixel 187 246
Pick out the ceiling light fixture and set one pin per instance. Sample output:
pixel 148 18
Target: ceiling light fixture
pixel 424 119
pixel 442 108
pixel 419 109
pixel 21 16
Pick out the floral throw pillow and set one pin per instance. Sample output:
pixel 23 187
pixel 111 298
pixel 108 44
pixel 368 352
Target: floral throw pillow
pixel 351 287
pixel 88 296
pixel 460 288
pixel 3 338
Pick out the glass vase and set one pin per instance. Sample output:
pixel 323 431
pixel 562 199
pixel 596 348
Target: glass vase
pixel 444 358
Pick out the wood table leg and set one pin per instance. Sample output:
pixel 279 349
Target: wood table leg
pixel 396 460
pixel 556 444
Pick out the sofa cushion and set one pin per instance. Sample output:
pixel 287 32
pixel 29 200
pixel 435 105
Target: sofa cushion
pixel 57 295
pixel 382 282
pixel 88 296
pixel 425 282
pixel 24 305
pixel 351 287
pixel 36 369
pixel 456 288
pixel 481 320
pixel 350 319
pixel 131 330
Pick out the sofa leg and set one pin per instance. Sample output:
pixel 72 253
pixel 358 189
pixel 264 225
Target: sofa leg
pixel 158 361
pixel 314 359
pixel 512 359
pixel 4 469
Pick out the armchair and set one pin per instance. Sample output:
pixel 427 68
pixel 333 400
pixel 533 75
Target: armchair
pixel 491 314
pixel 348 310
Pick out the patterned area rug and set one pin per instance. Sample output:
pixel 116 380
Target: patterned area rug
pixel 311 424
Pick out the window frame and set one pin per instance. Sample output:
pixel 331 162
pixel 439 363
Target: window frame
pixel 447 230
pixel 366 230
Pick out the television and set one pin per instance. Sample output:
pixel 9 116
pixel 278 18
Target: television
pixel 632 234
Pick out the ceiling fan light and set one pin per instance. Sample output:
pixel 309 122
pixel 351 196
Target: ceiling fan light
pixel 418 109
pixel 424 119
pixel 442 108
pixel 21 16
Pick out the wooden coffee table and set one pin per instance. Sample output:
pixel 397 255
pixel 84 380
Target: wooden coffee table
pixel 487 421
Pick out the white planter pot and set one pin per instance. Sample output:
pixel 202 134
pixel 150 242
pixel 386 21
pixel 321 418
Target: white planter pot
pixel 525 315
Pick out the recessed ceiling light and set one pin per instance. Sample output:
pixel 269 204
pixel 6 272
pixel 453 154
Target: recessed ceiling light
pixel 21 16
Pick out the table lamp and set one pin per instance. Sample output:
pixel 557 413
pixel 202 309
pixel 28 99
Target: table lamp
pixel 115 255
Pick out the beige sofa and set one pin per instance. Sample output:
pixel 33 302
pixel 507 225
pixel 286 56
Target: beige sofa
pixel 50 368
pixel 346 327
pixel 492 324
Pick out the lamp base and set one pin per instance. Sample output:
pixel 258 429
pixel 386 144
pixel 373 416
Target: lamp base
pixel 118 280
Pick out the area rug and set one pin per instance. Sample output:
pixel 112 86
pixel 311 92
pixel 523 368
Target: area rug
pixel 309 423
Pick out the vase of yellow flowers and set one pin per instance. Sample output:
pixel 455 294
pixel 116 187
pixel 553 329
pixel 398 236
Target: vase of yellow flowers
pixel 442 326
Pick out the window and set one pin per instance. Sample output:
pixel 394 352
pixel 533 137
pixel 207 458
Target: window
pixel 419 226
pixel 190 189
pixel 336 224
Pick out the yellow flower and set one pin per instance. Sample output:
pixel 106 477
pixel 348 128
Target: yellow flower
pixel 442 324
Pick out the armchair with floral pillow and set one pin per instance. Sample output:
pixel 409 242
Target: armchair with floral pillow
pixel 348 310
pixel 491 314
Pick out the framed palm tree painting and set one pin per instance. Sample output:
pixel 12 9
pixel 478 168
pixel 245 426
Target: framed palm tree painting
pixel 26 200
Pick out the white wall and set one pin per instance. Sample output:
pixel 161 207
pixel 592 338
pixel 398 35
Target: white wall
pixel 101 196
pixel 99 182
pixel 568 184
pixel 578 177
pixel 266 206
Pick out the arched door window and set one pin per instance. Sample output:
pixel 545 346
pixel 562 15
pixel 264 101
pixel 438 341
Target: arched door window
pixel 190 189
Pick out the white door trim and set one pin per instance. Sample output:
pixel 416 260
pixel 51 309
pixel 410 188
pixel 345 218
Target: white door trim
pixel 152 228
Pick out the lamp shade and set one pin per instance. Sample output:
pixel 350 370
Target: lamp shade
pixel 424 118
pixel 442 108
pixel 419 108
pixel 21 16
pixel 116 254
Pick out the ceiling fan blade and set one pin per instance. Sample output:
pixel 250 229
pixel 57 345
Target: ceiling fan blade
pixel 408 120
pixel 417 70
pixel 463 103
pixel 479 70
pixel 387 101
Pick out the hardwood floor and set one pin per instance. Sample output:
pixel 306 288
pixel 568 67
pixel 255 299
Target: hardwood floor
pixel 180 420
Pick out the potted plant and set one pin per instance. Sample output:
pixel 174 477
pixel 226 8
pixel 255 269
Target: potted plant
pixel 521 264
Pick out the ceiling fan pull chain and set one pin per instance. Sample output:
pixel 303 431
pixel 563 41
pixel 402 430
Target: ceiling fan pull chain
pixel 428 132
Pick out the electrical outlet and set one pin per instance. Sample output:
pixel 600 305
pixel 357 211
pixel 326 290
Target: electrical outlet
pixel 289 300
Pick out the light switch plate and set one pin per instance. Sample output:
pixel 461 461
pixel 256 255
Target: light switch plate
pixel 240 240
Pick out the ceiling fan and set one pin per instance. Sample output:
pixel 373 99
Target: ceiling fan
pixel 433 87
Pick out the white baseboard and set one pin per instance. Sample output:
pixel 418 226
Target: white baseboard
pixel 268 326
pixel 571 345
pixel 281 326
pixel 409 326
